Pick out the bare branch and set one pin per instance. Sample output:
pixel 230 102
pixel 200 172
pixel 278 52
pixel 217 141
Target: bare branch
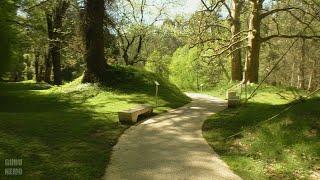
pixel 225 48
pixel 37 5
pixel 302 22
pixel 133 11
pixel 290 37
pixel 213 7
pixel 264 15
pixel 207 40
pixel 287 9
pixel 228 9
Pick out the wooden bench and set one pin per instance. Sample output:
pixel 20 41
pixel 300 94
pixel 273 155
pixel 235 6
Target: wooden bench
pixel 131 115
pixel 233 99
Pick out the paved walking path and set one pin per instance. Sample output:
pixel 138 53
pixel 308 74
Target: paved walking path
pixel 170 146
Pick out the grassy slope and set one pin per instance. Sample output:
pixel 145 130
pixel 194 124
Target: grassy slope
pixel 287 147
pixel 68 132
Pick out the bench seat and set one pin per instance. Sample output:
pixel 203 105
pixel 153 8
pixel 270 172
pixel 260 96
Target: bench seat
pixel 131 115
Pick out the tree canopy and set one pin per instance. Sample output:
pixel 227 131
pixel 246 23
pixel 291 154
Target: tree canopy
pixel 235 40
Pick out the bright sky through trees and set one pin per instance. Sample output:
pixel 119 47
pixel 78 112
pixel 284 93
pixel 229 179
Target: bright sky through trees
pixel 187 7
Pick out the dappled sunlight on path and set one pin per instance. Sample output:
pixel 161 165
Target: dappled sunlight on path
pixel 170 146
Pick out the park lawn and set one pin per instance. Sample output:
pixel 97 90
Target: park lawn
pixel 68 132
pixel 287 147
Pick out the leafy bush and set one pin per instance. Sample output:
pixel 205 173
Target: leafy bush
pixel 188 70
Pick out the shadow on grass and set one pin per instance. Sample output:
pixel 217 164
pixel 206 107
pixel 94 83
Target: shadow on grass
pixel 18 86
pixel 62 135
pixel 56 138
pixel 233 120
pixel 285 147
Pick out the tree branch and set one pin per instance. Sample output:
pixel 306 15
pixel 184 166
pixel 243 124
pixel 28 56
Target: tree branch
pixel 263 15
pixel 212 8
pixel 263 39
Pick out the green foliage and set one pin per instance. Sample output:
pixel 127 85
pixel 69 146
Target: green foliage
pixel 7 34
pixel 286 147
pixel 182 72
pixel 220 89
pixel 159 64
pixel 159 55
pixel 187 70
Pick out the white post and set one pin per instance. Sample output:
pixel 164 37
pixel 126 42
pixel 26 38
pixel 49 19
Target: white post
pixel 157 89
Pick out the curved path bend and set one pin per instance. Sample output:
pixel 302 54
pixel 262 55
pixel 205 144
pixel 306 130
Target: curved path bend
pixel 170 146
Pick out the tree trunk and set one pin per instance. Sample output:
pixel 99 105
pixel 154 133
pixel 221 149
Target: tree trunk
pixel 292 75
pixel 301 66
pixel 312 76
pixel 236 66
pixel 58 14
pixel 48 61
pixel 56 63
pixel 48 68
pixel 138 51
pixel 41 72
pixel 126 57
pixel 254 43
pixel 94 42
pixel 37 66
pixel 298 81
pixel 126 49
pixel 310 82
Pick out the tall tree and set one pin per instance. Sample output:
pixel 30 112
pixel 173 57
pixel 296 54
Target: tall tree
pixel 48 57
pixel 254 41
pixel 260 12
pixel 236 66
pixel 8 33
pixel 54 21
pixel 233 8
pixel 96 68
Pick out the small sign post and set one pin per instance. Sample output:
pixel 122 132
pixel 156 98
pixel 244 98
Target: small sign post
pixel 157 89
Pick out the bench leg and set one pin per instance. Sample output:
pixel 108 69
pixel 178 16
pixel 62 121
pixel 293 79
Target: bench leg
pixel 134 119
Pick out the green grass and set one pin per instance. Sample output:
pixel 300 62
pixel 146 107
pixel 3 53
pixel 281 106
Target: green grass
pixel 68 132
pixel 287 147
pixel 283 94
